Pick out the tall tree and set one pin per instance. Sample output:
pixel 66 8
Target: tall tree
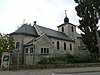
pixel 89 13
pixel 6 43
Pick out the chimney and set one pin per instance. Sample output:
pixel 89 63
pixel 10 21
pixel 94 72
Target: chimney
pixel 34 22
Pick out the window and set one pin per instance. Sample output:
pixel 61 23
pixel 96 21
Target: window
pixel 53 42
pixel 17 45
pixel 70 46
pixel 26 50
pixel 57 44
pixel 31 50
pixel 44 50
pixel 47 50
pixel 62 29
pixel 72 29
pixel 41 50
pixel 64 46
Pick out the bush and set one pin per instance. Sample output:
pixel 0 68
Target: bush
pixel 81 58
pixel 44 60
pixel 58 60
pixel 68 59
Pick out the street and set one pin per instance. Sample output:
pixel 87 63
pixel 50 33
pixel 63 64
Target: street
pixel 59 71
pixel 89 73
pixel 38 73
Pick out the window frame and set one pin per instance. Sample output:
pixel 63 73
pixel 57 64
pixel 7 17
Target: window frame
pixel 72 29
pixel 45 50
pixel 27 50
pixel 58 45
pixel 65 46
pixel 70 47
pixel 42 51
pixel 16 45
pixel 31 51
pixel 62 29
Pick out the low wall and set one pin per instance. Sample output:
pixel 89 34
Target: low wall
pixel 50 66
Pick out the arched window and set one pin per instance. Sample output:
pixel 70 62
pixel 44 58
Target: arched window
pixel 64 46
pixel 72 29
pixel 70 46
pixel 57 44
pixel 62 29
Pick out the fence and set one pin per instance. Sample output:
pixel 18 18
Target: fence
pixel 58 61
pixel 52 66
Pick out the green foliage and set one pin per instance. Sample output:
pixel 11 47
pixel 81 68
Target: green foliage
pixel 44 60
pixel 68 59
pixel 81 58
pixel 6 43
pixel 58 60
pixel 89 13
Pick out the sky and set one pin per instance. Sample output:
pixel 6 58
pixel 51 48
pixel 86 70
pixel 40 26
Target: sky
pixel 47 13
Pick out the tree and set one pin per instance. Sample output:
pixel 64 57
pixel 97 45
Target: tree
pixel 89 13
pixel 6 43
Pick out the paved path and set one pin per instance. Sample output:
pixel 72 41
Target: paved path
pixel 66 71
pixel 90 73
pixel 93 73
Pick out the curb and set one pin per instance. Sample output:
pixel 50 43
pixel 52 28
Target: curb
pixel 77 70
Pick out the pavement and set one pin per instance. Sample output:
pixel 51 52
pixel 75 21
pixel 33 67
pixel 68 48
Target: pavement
pixel 75 70
pixel 51 71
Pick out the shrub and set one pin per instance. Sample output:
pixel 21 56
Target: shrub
pixel 82 58
pixel 44 60
pixel 69 58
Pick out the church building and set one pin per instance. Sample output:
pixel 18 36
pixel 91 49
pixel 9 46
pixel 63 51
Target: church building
pixel 34 41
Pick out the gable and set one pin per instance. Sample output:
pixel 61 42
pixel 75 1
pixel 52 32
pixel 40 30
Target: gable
pixel 43 40
pixel 29 43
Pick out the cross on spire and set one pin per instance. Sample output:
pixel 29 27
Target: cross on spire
pixel 65 13
pixel 66 20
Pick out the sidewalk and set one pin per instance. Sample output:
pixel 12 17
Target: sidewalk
pixel 51 71
pixel 74 70
pixel 70 70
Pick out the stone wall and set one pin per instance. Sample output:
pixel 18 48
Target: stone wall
pixel 52 66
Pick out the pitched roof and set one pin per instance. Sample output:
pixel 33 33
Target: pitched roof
pixel 26 29
pixel 66 24
pixel 30 30
pixel 54 33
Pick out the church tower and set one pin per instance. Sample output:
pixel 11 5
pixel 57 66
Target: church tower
pixel 68 28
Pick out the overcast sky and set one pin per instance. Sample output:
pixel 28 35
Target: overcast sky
pixel 47 13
